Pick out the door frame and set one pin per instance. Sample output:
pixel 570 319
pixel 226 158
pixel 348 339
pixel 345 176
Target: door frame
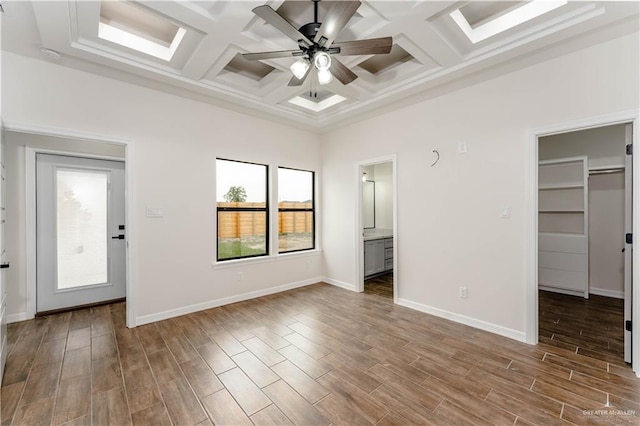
pixel 30 205
pixel 359 237
pixel 531 219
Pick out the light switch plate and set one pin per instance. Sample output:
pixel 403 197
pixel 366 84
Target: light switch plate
pixel 462 147
pixel 154 212
pixel 505 212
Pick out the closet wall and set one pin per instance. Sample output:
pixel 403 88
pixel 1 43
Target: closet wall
pixel 605 147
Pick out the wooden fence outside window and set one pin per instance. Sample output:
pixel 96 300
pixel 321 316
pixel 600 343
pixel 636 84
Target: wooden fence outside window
pixel 247 224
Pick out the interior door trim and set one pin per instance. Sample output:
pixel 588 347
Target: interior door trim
pixel 30 202
pixel 358 273
pixel 531 218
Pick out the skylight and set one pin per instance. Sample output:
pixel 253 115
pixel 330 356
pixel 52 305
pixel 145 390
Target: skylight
pixel 127 25
pixel 317 106
pixel 506 21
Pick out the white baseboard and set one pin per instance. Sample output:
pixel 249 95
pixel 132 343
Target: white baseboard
pixel 147 319
pixel 22 316
pixel 462 319
pixel 562 291
pixel 340 284
pixel 607 293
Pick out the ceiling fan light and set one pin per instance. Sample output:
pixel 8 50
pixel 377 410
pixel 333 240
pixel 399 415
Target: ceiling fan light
pixel 322 61
pixel 299 68
pixel 324 77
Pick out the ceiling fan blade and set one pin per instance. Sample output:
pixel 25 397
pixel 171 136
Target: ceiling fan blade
pixel 370 46
pixel 272 17
pixel 295 81
pixel 272 55
pixel 336 18
pixel 341 72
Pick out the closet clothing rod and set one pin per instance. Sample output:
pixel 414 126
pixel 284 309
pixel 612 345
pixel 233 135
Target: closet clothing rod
pixel 601 171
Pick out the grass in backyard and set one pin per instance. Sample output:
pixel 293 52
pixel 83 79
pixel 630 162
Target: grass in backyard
pixel 229 249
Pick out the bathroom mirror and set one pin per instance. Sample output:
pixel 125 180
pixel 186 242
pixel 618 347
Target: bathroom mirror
pixel 368 204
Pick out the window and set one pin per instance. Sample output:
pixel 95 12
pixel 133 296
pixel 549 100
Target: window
pixel 296 210
pixel 242 209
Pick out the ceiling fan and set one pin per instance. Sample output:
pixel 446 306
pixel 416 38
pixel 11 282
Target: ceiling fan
pixel 316 43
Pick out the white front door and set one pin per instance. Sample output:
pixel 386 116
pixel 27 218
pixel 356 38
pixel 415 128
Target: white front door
pixel 80 218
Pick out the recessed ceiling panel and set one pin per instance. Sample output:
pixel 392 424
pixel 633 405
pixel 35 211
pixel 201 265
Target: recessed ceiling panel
pixel 133 19
pixel 478 12
pixel 379 63
pixel 254 70
pixel 299 13
pixel 131 26
pixel 315 105
pixel 505 20
pixel 317 95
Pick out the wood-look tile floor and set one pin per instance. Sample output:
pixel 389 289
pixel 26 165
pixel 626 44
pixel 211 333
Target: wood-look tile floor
pixel 382 285
pixel 317 355
pixel 593 326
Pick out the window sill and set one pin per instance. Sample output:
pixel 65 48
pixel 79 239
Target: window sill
pixel 296 254
pixel 264 259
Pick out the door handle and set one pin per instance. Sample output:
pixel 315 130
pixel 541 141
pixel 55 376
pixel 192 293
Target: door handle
pixel 4 265
pixel 118 237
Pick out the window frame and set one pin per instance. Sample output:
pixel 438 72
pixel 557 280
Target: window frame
pixel 312 210
pixel 264 209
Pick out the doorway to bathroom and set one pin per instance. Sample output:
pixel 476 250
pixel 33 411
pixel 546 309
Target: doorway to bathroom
pixel 378 227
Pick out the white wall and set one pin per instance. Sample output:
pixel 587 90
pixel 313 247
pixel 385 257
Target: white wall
pixel 175 143
pixel 450 233
pixel 605 147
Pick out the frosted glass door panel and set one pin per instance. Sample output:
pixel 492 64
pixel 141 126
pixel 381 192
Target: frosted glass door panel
pixel 82 224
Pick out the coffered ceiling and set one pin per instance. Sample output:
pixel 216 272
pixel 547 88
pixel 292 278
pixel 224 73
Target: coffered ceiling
pixel 438 46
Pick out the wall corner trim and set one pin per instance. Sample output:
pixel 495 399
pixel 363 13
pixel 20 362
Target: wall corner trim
pixel 462 319
pixel 340 284
pixel 21 316
pixel 147 319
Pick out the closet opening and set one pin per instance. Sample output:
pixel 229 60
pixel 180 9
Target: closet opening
pixel 584 254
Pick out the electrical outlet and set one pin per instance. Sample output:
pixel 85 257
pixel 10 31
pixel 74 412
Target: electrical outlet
pixel 239 276
pixel 463 292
